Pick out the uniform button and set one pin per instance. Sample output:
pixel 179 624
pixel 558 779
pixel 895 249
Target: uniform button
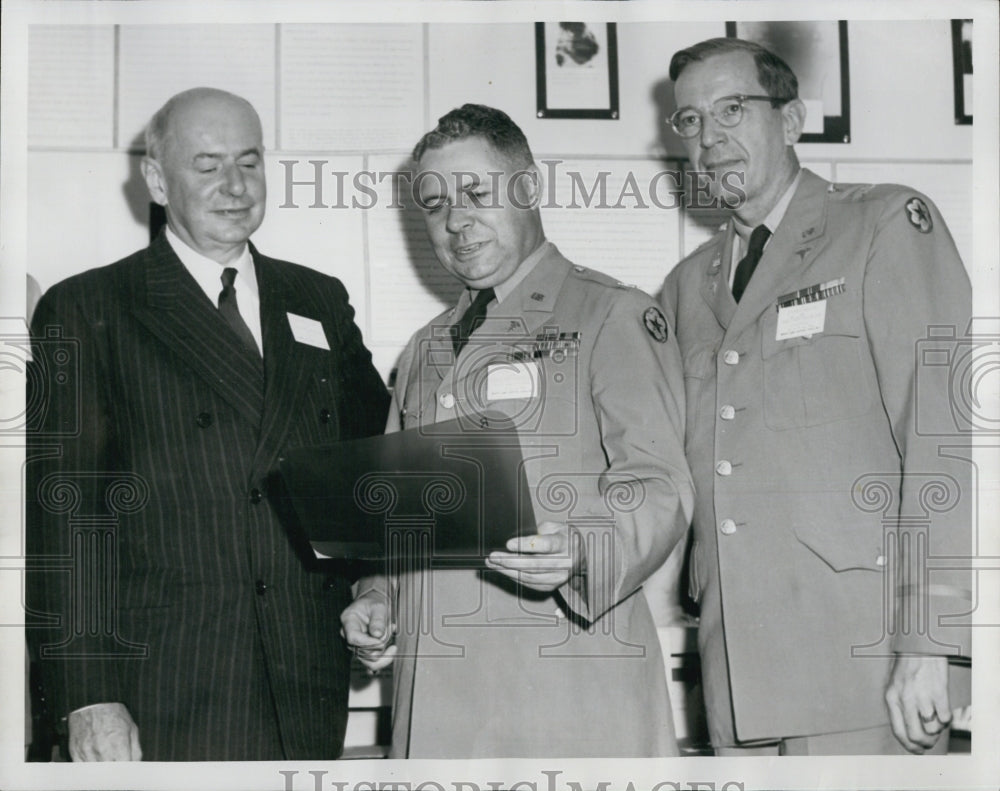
pixel 724 468
pixel 730 357
pixel 880 561
pixel 324 415
pixel 447 400
pixel 204 419
pixel 727 412
pixel 255 496
pixel 260 587
pixel 727 527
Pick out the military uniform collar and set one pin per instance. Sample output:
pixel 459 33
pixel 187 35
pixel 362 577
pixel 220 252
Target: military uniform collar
pixel 508 287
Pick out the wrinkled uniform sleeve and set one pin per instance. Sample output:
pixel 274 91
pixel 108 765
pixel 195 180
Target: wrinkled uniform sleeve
pixel 636 384
pixel 915 281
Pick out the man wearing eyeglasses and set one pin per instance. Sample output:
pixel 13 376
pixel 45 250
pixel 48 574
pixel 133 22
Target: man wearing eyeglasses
pixel 817 553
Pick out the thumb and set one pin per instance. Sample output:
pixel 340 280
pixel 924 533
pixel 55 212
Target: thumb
pixel 377 622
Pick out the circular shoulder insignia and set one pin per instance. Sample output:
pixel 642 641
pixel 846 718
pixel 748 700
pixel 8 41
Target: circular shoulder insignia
pixel 919 215
pixel 656 324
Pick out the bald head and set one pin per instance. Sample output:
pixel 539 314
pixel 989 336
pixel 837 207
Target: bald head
pixel 181 106
pixel 204 165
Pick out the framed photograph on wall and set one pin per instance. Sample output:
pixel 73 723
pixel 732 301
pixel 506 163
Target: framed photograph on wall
pixel 576 69
pixel 961 49
pixel 817 53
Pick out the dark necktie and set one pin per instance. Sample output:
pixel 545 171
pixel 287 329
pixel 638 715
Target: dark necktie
pixel 230 310
pixel 744 270
pixel 472 318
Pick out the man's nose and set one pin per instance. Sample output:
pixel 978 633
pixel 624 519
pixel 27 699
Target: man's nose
pixel 712 132
pixel 235 182
pixel 459 218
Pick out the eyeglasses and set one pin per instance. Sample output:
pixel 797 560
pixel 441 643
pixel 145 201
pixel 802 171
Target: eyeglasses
pixel 727 111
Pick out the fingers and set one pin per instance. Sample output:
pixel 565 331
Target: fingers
pixel 103 732
pixel 376 659
pixel 552 538
pixel 365 623
pixel 917 701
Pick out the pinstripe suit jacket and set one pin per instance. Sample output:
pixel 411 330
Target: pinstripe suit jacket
pixel 152 501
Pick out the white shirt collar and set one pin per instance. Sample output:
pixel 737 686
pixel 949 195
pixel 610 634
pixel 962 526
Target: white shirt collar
pixel 208 273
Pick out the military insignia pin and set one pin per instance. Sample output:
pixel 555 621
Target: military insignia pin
pixel 919 215
pixel 656 324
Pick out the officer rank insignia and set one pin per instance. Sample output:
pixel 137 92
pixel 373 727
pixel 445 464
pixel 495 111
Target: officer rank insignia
pixel 919 215
pixel 656 324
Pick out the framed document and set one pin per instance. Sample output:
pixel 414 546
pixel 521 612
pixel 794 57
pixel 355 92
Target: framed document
pixel 576 69
pixel 817 53
pixel 961 50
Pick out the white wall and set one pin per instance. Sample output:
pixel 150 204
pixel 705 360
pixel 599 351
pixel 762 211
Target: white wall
pixel 87 203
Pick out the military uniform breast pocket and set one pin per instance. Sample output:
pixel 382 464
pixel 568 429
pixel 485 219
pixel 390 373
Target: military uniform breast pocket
pixel 819 379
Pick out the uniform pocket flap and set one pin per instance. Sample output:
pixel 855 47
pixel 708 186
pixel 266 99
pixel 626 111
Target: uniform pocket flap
pixel 839 322
pixel 843 548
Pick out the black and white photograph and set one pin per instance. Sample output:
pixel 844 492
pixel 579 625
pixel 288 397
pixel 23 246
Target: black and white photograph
pixel 577 70
pixel 818 53
pixel 961 42
pixel 507 396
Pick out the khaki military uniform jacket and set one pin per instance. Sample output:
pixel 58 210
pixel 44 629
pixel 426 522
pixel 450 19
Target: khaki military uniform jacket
pixel 485 669
pixel 815 462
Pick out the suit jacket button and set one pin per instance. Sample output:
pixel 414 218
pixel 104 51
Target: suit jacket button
pixel 324 415
pixel 447 401
pixel 727 527
pixel 730 357
pixel 255 496
pixel 724 467
pixel 261 587
pixel 204 420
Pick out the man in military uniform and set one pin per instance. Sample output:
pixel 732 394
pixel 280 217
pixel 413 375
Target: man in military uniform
pixel 551 649
pixel 798 326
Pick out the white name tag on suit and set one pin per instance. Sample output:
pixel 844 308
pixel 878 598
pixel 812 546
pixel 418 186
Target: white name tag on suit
pixel 308 331
pixel 799 321
pixel 802 313
pixel 514 379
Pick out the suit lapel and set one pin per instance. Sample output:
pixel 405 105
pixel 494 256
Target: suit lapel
pixel 715 282
pixel 173 307
pixel 290 366
pixel 795 243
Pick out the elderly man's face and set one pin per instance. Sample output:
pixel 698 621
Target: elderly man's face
pixel 757 148
pixel 210 176
pixel 479 224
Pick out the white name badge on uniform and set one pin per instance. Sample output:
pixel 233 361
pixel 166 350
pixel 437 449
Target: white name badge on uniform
pixel 800 321
pixel 308 331
pixel 512 380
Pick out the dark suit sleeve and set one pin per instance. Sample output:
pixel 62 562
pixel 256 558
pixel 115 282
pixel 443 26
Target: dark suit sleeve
pixel 364 389
pixel 70 489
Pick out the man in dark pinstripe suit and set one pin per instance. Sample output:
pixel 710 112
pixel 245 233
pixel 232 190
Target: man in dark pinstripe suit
pixel 173 616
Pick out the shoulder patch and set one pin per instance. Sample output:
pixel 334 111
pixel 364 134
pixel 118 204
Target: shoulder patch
pixel 656 324
pixel 919 215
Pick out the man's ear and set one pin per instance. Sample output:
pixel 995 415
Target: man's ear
pixel 152 172
pixel 794 116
